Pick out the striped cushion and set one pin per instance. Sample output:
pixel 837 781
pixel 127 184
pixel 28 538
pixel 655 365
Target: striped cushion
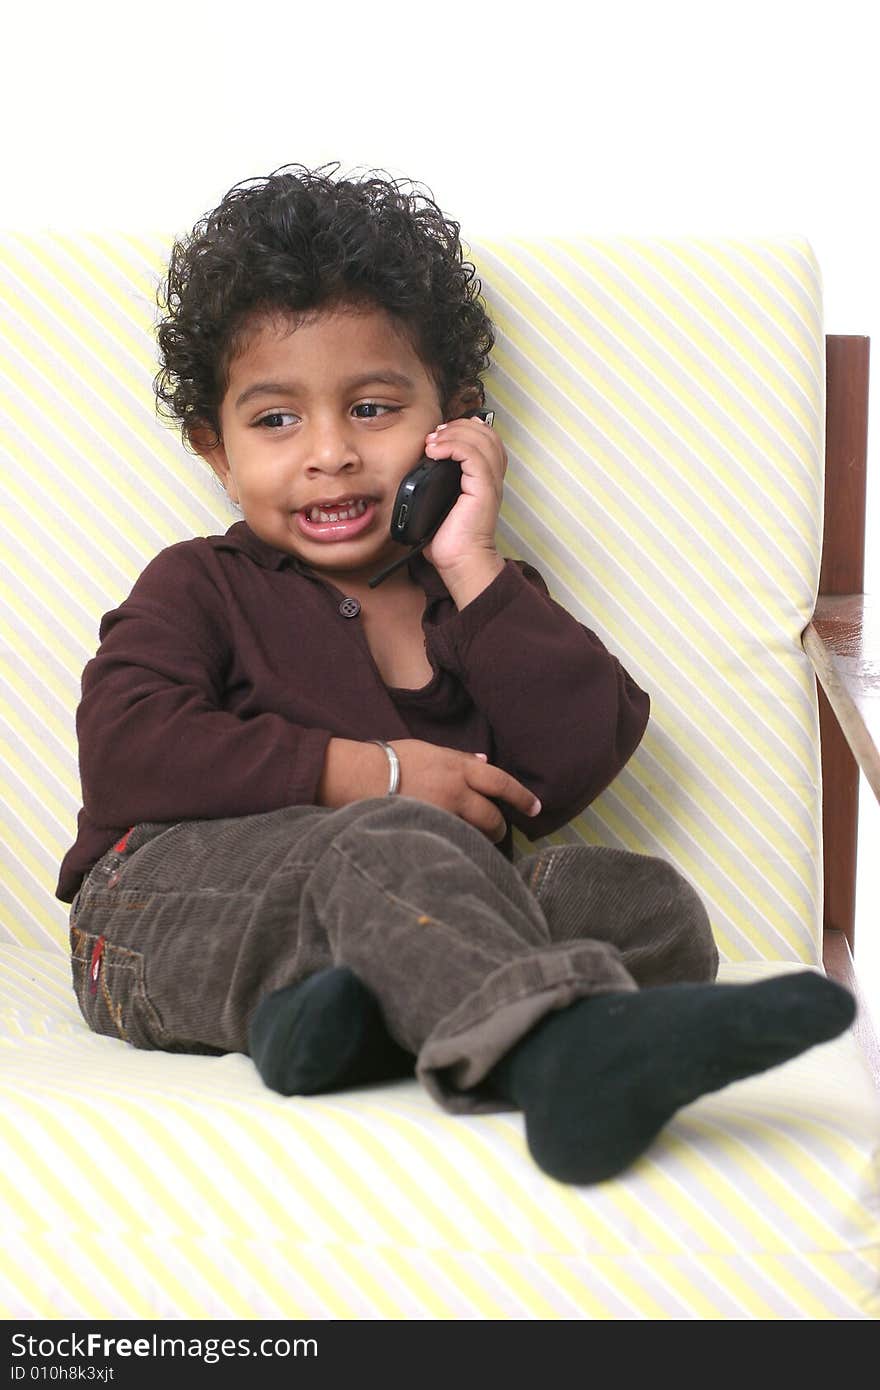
pixel 147 1185
pixel 662 407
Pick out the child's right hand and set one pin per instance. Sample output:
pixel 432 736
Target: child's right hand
pixel 462 783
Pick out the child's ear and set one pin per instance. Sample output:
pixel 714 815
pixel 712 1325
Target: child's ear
pixel 209 446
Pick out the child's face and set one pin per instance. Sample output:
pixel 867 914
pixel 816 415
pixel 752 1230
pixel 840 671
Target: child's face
pixel 314 444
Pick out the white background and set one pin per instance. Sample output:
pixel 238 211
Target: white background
pixel 664 117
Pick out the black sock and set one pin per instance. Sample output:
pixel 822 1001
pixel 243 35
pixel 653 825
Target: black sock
pixel 598 1081
pixel 324 1034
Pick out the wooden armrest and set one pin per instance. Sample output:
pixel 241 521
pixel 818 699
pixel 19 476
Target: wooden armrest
pixel 843 643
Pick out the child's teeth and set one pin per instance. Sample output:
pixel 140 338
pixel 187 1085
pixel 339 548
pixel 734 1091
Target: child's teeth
pixel 356 509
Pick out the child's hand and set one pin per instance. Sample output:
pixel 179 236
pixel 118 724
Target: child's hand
pixel 463 549
pixel 461 783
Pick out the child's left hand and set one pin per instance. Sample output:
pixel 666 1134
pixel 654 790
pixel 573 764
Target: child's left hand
pixel 464 545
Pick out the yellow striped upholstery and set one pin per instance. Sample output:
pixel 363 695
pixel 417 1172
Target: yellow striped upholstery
pixel 665 403
pixel 140 1184
pixel 662 406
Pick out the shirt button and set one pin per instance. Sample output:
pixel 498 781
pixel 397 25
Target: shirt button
pixel 349 607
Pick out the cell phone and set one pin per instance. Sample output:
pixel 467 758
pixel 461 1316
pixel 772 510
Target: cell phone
pixel 427 494
pixel 425 497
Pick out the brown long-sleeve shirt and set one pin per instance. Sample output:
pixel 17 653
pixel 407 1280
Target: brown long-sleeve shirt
pixel 223 676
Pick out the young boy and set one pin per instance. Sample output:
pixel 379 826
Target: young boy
pixel 298 790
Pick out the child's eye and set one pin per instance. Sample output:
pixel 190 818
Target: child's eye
pixel 374 405
pixel 276 419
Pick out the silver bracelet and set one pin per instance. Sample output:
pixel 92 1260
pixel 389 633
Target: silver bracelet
pixel 393 766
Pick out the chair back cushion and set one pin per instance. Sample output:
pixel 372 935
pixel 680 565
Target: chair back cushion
pixel 662 404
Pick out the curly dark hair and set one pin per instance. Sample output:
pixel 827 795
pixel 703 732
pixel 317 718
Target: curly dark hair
pixel 296 241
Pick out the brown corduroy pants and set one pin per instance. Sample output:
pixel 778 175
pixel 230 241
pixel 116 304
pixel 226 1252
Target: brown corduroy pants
pixel 177 935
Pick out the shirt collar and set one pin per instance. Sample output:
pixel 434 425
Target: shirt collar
pixel 241 537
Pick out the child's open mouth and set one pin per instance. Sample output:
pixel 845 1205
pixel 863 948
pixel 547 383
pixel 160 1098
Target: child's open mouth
pixel 337 521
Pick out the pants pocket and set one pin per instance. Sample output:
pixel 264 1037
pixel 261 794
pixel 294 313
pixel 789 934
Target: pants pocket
pixel 108 981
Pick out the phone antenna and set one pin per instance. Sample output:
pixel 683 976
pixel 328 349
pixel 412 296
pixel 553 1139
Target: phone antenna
pixel 396 564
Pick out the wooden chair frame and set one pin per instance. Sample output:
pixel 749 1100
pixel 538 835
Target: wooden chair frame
pixel 836 640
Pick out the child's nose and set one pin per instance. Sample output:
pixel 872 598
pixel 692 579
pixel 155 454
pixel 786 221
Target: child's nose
pixel 329 446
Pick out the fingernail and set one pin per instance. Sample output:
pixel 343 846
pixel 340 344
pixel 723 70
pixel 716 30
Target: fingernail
pixel 536 807
pixel 484 757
